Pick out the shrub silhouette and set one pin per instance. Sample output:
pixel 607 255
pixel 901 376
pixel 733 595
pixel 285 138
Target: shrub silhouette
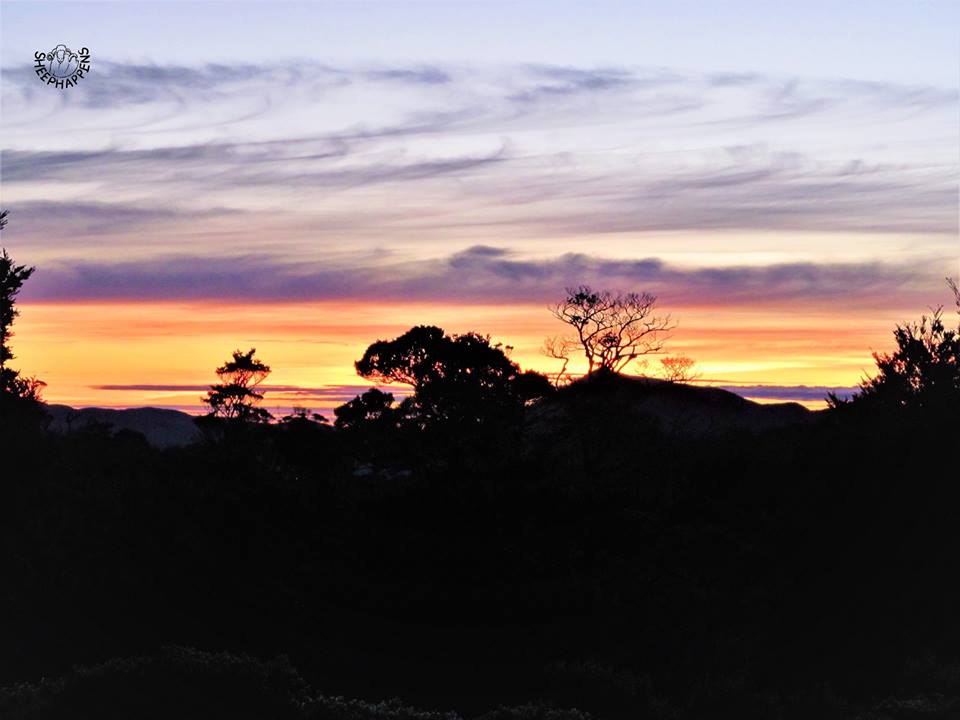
pixel 921 375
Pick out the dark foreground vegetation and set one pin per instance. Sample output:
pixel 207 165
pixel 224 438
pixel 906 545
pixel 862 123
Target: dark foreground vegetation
pixel 492 548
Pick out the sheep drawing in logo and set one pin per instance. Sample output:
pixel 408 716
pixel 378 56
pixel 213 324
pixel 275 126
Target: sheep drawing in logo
pixel 62 62
pixel 61 67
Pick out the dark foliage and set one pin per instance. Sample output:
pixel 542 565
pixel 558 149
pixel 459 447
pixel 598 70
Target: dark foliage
pixel 12 278
pixel 922 376
pixel 459 382
pixel 371 412
pixel 19 394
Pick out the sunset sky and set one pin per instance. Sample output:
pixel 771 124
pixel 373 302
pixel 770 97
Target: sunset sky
pixel 307 178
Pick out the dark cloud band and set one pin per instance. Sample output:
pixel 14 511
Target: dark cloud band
pixel 481 274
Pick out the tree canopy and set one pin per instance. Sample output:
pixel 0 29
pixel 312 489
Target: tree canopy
pixel 454 377
pixel 923 373
pixel 374 408
pixel 236 397
pixel 12 278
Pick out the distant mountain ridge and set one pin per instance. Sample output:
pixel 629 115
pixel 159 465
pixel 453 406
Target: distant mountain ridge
pixel 161 427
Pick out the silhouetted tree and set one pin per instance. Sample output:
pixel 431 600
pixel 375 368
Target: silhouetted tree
pixel 12 278
pixel 678 369
pixel 300 415
pixel 236 397
pixel 560 348
pixel 923 373
pixel 410 359
pixel 613 329
pixel 373 408
pixel 460 378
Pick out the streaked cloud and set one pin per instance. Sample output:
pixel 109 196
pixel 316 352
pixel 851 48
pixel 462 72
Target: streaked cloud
pixel 517 153
pixel 64 226
pixel 329 393
pixel 788 393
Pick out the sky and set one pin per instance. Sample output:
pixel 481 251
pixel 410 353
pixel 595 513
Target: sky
pixel 307 178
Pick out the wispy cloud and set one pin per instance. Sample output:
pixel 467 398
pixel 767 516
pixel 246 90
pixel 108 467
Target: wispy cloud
pixel 136 84
pixel 745 188
pixel 66 225
pixel 520 151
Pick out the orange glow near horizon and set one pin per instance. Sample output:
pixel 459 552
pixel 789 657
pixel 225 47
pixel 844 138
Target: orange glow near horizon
pixel 78 347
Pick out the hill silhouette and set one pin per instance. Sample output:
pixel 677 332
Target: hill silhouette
pixel 674 408
pixel 160 426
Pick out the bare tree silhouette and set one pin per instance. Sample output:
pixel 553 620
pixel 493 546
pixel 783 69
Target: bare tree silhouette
pixel 613 329
pixel 678 369
pixel 560 348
